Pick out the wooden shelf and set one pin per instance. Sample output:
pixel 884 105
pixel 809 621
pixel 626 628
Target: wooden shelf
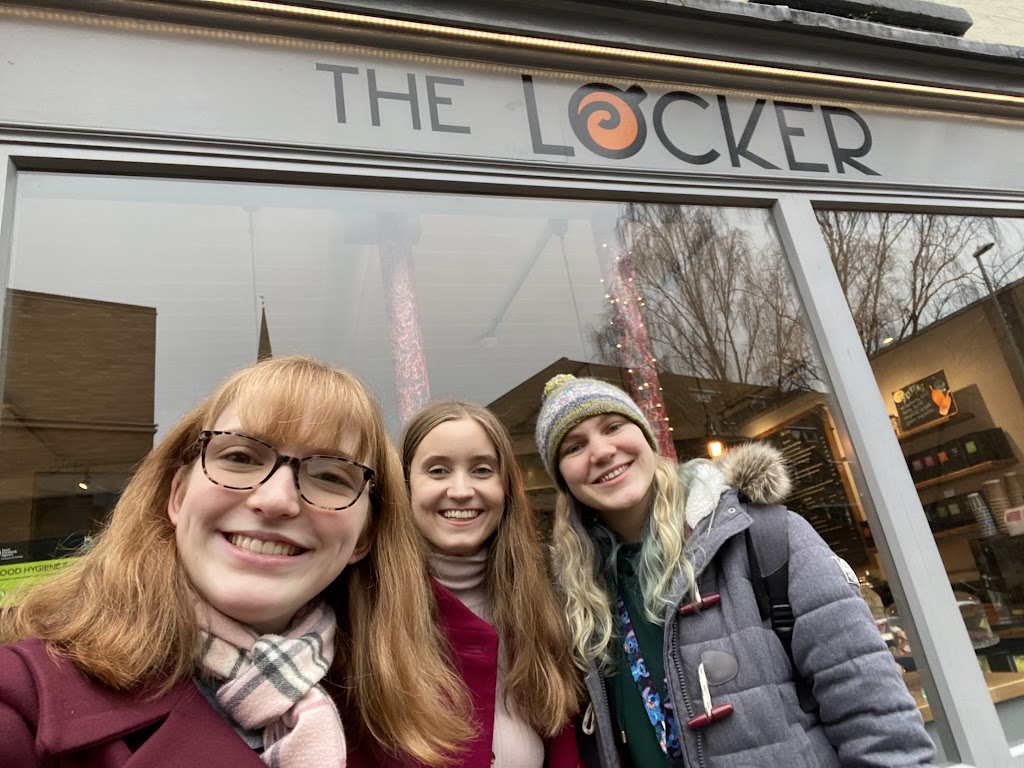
pixel 976 469
pixel 1002 686
pixel 955 417
pixel 972 531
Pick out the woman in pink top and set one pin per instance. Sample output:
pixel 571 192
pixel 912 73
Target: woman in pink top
pixel 495 603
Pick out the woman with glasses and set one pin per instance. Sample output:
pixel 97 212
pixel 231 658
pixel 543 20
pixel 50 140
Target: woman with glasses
pixel 259 575
pixel 493 593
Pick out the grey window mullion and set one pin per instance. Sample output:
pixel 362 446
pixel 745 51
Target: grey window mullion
pixel 8 175
pixel 959 698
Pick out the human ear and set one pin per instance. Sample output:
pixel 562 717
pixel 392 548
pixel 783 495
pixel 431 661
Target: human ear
pixel 362 547
pixel 365 541
pixel 179 483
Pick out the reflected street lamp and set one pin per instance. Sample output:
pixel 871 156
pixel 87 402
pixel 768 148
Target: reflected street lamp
pixel 1011 340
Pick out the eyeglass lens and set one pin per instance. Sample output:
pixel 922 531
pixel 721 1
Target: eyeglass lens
pixel 240 462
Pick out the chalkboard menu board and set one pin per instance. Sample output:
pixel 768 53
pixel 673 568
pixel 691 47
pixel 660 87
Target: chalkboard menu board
pixel 819 495
pixel 924 401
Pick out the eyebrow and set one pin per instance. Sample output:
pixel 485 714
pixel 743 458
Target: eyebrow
pixel 335 452
pixel 603 419
pixel 445 458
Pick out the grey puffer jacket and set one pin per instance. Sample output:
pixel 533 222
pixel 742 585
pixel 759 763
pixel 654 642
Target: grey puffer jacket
pixel 865 716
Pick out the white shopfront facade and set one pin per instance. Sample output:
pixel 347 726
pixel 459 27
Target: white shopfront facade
pixel 435 203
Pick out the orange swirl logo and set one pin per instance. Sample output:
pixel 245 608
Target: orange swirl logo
pixel 607 120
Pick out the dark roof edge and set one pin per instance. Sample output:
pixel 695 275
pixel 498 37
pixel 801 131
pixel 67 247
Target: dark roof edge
pixel 755 13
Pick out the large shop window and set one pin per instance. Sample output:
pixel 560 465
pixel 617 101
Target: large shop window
pixel 131 297
pixel 938 303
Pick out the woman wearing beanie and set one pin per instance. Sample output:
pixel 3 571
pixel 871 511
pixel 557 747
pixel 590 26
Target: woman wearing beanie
pixel 655 564
pixel 494 599
pixel 257 598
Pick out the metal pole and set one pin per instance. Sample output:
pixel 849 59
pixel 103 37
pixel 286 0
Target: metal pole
pixel 1018 357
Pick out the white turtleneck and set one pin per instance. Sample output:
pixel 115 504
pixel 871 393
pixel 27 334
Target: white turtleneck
pixel 516 744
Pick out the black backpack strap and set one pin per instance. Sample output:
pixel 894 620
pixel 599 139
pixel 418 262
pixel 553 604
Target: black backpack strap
pixel 767 542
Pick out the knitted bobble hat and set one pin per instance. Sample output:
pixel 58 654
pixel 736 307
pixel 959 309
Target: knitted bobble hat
pixel 567 401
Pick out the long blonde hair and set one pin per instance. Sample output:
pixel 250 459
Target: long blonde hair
pixel 581 567
pixel 123 613
pixel 540 679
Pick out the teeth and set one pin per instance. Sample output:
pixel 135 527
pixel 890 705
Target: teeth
pixel 460 514
pixel 261 547
pixel 613 474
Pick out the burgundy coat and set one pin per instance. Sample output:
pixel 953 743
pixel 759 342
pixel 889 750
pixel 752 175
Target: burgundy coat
pixel 475 645
pixel 51 716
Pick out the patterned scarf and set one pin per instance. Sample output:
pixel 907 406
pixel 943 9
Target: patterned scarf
pixel 271 683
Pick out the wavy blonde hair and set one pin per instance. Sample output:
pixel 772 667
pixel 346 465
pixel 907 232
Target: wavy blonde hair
pixel 540 680
pixel 123 612
pixel 583 556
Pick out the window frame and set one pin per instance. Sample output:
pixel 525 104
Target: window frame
pixel 965 716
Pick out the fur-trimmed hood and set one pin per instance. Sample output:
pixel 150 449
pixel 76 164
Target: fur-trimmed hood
pixel 756 470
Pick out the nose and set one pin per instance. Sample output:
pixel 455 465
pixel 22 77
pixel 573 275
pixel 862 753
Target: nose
pixel 601 450
pixel 460 486
pixel 278 496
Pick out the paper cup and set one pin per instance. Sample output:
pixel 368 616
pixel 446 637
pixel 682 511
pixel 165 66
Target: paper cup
pixel 1014 489
pixel 982 515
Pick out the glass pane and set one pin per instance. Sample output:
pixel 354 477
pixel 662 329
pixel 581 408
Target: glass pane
pixel 132 297
pixel 937 301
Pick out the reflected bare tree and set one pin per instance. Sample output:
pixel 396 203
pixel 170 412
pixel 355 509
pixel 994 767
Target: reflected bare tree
pixel 717 301
pixel 863 250
pixel 903 271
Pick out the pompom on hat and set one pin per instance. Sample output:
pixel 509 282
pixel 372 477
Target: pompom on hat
pixel 568 401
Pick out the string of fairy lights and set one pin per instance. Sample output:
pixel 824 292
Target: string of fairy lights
pixel 633 345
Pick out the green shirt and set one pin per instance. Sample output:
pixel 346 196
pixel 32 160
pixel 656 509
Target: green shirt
pixel 641 741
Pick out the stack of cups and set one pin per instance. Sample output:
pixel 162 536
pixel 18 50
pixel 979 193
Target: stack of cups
pixel 982 515
pixel 1014 516
pixel 998 500
pixel 1014 489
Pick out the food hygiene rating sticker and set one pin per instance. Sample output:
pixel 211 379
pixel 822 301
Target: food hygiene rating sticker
pixel 17 575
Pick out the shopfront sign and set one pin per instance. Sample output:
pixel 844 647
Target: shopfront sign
pixel 615 123
pixel 165 80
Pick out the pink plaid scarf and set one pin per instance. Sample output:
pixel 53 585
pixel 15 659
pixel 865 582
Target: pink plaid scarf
pixel 271 682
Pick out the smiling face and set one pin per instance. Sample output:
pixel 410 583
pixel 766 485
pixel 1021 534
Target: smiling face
pixel 455 481
pixel 608 465
pixel 258 556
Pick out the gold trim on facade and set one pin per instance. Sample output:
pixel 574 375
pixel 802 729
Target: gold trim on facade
pixel 614 52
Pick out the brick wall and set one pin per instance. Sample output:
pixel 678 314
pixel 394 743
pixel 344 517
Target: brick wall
pixel 77 399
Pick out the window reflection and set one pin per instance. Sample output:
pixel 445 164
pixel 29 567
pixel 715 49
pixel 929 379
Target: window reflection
pixel 938 302
pixel 689 308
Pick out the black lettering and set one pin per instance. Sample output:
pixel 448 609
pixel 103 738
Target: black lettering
pixel 844 154
pixel 742 148
pixel 433 100
pixel 376 95
pixel 789 131
pixel 539 147
pixel 659 128
pixel 339 86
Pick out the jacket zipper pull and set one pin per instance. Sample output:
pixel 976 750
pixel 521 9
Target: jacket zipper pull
pixel 588 720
